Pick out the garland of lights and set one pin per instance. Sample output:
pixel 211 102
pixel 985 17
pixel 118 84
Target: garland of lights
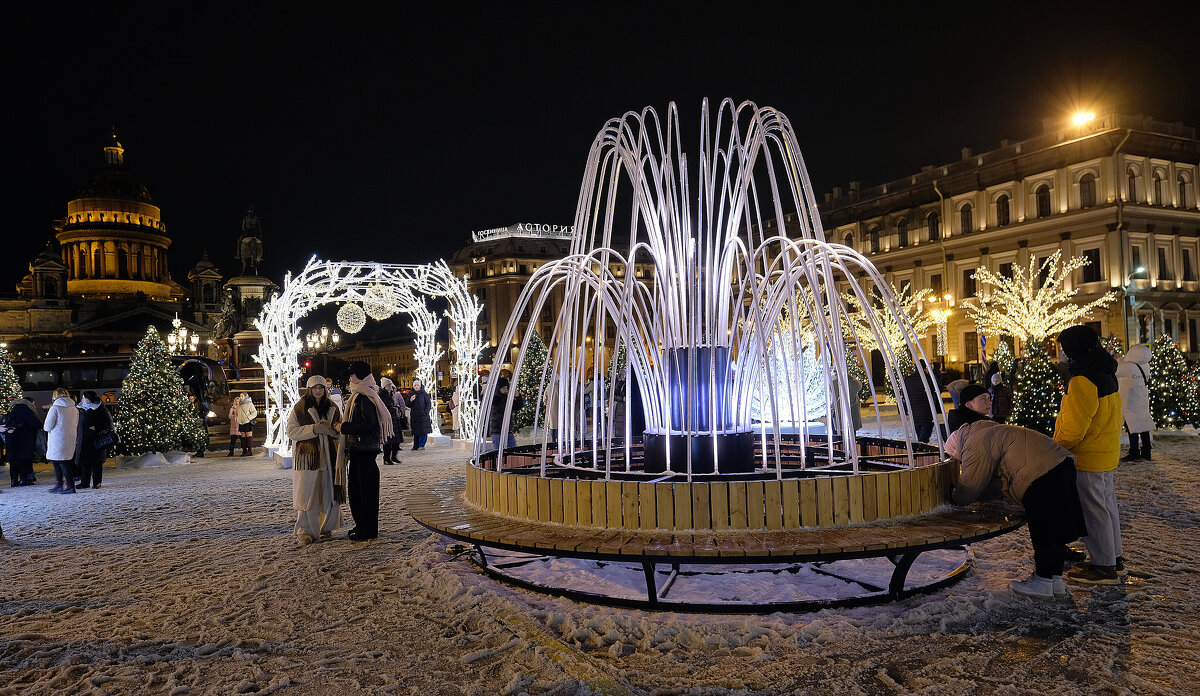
pixel 326 282
pixel 1028 307
pixel 425 324
pixel 10 387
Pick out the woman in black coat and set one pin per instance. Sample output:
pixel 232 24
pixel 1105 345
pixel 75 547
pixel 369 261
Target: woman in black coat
pixel 93 420
pixel 419 405
pixel 21 427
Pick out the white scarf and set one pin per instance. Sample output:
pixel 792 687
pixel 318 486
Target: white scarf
pixel 365 387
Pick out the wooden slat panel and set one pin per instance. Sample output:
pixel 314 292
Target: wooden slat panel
pixel 791 504
pixel 841 500
pixel 470 489
pixel 883 497
pixel 599 505
pixel 543 499
pixel 612 499
pixel 925 488
pixel 495 498
pixel 556 500
pixel 755 499
pixel 773 504
pixel 905 493
pixel 825 501
pixel 895 494
pixel 808 502
pixel 583 502
pixel 629 505
pixel 570 502
pixel 719 504
pixel 737 505
pixel 504 501
pixel 522 496
pixel 665 505
pixel 870 502
pixel 683 505
pixel 701 505
pixel 856 499
pixel 510 490
pixel 649 505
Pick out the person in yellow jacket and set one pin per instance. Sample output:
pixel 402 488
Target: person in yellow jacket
pixel 1089 425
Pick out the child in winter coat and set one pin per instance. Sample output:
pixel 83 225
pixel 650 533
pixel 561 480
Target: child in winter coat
pixel 1035 472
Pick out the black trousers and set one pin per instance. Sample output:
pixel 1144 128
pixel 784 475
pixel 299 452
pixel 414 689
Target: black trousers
pixel 1133 443
pixel 924 431
pixel 1054 516
pixel 91 469
pixel 363 491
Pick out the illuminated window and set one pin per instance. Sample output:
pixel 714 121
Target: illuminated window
pixel 1087 190
pixel 1159 193
pixel 966 215
pixel 1185 190
pixel 1002 216
pixel 1042 194
pixel 933 222
pixel 1131 182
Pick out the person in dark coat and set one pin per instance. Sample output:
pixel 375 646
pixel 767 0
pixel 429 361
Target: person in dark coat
pixel 1002 399
pixel 496 414
pixel 919 407
pixel 364 426
pixel 20 428
pixel 392 401
pixel 419 406
pixel 975 405
pixel 93 420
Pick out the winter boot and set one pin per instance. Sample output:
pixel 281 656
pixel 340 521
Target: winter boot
pixel 1035 586
pixel 1122 571
pixel 1133 456
pixel 247 445
pixel 1073 555
pixel 1060 589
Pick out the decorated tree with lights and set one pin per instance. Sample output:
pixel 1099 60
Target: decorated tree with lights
pixel 1193 390
pixel 1003 357
pixel 854 367
pixel 1038 391
pixel 910 305
pixel 1034 303
pixel 155 414
pixel 529 380
pixel 1114 345
pixel 10 388
pixel 1170 397
pixel 796 374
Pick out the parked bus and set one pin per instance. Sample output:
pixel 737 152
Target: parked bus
pixel 105 374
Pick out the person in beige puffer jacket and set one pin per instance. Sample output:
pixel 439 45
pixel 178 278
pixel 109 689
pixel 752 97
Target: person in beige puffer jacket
pixel 1035 472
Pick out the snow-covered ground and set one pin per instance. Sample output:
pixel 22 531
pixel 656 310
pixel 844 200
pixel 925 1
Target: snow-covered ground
pixel 186 579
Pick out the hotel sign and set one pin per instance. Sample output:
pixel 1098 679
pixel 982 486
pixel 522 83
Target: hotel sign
pixel 525 229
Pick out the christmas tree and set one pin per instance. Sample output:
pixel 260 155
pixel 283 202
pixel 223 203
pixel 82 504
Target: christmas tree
pixel 1170 402
pixel 155 414
pixel 1038 391
pixel 529 381
pixel 1004 358
pixel 1114 345
pixel 10 388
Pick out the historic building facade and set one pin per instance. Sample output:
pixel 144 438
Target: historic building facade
pixel 1119 190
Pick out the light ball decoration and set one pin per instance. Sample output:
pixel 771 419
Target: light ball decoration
pixel 351 318
pixel 378 302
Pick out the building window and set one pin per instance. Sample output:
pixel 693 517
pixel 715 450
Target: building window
pixel 97 264
pixel 1164 270
pixel 968 282
pixel 1159 197
pixel 902 233
pixel 966 216
pixel 849 240
pixel 1185 198
pixel 1131 183
pixel 1188 273
pixel 1087 191
pixel 1006 270
pixel 1135 257
pixel 933 222
pixel 905 287
pixel 935 284
pixel 1002 216
pixel 1092 272
pixel 971 346
pixel 1192 335
pixel 1042 195
pixel 873 236
pixel 1043 271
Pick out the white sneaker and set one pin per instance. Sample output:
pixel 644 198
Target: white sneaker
pixel 1060 588
pixel 1035 586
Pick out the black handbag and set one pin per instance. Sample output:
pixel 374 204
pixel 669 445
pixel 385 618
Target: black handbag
pixel 106 439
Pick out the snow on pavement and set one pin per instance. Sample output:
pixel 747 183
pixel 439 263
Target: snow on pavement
pixel 186 579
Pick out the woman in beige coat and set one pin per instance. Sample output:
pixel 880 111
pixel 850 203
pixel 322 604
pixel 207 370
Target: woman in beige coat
pixel 1034 471
pixel 311 428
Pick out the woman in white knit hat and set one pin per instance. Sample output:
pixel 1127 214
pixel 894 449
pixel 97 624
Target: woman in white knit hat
pixel 310 427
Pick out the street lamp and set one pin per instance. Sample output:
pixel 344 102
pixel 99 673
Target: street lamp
pixel 1127 301
pixel 322 342
pixel 179 339
pixel 941 315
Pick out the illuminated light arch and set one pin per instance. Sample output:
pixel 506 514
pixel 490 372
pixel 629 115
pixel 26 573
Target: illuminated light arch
pixel 402 288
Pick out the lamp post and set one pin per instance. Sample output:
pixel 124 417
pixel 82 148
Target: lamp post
pixel 322 342
pixel 1127 301
pixel 180 341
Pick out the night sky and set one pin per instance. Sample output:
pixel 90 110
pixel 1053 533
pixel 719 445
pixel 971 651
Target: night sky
pixel 376 132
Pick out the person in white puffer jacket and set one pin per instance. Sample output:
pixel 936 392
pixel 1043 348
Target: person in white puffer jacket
pixel 1133 371
pixel 62 426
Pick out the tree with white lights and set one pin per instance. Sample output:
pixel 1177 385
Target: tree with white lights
pixel 1170 389
pixel 1034 303
pixel 529 381
pixel 155 414
pixel 911 305
pixel 792 359
pixel 10 388
pixel 1038 391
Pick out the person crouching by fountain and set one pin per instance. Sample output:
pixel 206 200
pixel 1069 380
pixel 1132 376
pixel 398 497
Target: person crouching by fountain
pixel 364 426
pixel 1034 471
pixel 975 403
pixel 62 427
pixel 312 429
pixel 93 420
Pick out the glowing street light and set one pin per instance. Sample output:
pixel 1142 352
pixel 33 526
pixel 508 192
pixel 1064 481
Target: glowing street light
pixel 1083 117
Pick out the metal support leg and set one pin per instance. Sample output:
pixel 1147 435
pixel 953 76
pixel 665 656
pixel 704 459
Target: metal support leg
pixel 651 590
pixel 483 563
pixel 900 574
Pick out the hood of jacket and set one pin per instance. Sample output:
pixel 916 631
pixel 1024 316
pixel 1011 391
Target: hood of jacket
pixel 64 401
pixel 1139 354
